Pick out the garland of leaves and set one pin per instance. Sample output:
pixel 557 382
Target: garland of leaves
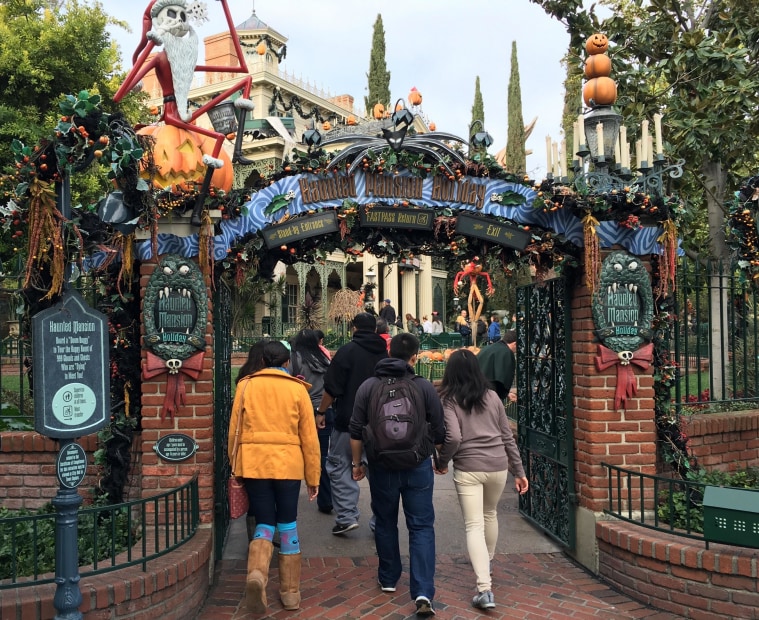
pixel 742 235
pixel 668 424
pixel 294 103
pixel 269 42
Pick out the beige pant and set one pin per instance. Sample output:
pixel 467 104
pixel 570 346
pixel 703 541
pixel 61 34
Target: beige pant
pixel 479 493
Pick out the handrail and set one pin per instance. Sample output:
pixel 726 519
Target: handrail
pixel 164 523
pixel 637 498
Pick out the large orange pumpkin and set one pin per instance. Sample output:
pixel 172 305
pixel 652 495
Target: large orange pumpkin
pixel 599 91
pixel 379 111
pixel 415 97
pixel 178 155
pixel 433 127
pixel 351 120
pixel 261 48
pixel 597 44
pixel 598 65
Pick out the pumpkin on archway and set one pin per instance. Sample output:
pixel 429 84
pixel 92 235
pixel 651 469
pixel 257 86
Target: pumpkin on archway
pixel 178 158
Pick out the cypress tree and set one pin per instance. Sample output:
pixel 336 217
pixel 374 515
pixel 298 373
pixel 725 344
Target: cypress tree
pixel 516 160
pixel 478 107
pixel 378 76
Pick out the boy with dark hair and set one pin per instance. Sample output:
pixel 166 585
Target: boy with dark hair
pixel 413 485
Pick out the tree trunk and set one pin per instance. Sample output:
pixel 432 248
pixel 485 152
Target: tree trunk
pixel 715 181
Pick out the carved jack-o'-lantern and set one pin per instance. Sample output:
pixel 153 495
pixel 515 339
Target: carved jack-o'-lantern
pixel 326 126
pixel 379 111
pixel 351 120
pixel 433 127
pixel 598 43
pixel 178 155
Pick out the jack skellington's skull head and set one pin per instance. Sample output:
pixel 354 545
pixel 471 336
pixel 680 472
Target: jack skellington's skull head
pixel 170 16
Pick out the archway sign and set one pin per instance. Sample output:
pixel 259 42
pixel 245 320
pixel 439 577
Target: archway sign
pixel 489 202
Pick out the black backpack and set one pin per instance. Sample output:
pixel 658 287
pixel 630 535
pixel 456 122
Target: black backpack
pixel 396 435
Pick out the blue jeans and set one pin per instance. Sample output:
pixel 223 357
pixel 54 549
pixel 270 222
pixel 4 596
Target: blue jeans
pixel 324 499
pixel 414 487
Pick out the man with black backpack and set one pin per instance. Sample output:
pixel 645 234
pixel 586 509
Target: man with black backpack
pixel 398 419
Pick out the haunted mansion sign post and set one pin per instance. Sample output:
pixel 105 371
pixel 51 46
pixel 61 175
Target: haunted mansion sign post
pixel 71 399
pixel 623 308
pixel 175 312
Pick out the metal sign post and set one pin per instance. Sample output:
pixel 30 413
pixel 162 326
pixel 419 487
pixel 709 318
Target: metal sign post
pixel 72 399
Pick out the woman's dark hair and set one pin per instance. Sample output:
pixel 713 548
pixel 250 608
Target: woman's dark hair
pixel 275 354
pixel 306 343
pixel 319 334
pixel 255 361
pixel 463 381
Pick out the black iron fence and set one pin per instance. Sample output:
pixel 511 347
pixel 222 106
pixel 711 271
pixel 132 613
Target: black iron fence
pixel 110 537
pixel 714 339
pixel 659 503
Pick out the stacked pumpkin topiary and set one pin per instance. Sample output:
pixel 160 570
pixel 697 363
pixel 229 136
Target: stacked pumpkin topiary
pixel 600 89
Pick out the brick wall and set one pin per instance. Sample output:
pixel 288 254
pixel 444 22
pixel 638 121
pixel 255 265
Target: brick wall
pixel 724 441
pixel 624 437
pixel 677 575
pixel 28 469
pixel 173 587
pixel 194 418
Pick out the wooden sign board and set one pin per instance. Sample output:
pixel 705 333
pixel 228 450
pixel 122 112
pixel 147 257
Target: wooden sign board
pixel 502 233
pixel 389 217
pixel 300 228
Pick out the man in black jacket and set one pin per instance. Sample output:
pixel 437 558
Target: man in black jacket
pixel 351 365
pixel 387 312
pixel 413 485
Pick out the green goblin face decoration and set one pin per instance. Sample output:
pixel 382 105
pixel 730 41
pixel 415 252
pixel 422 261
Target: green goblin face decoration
pixel 175 309
pixel 623 304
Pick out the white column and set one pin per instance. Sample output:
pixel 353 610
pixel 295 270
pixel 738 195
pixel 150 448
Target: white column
pixel 389 286
pixel 425 288
pixel 408 292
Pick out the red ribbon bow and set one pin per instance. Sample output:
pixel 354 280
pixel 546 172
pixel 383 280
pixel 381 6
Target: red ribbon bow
pixel 175 389
pixel 627 386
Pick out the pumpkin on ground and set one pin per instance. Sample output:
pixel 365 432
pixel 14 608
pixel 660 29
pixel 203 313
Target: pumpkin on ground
pixel 178 155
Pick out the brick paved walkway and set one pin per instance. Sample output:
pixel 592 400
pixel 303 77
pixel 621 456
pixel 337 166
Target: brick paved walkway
pixel 544 586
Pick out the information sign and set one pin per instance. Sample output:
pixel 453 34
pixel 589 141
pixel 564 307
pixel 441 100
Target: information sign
pixel 388 217
pixel 491 230
pixel 300 228
pixel 175 447
pixel 71 381
pixel 71 465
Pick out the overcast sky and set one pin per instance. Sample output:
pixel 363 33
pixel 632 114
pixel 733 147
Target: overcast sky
pixel 439 46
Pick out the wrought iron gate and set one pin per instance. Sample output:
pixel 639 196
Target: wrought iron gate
pixel 222 327
pixel 544 407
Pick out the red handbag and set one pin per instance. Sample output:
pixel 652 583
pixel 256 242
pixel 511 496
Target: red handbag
pixel 238 498
pixel 236 493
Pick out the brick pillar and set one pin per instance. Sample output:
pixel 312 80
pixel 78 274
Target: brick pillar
pixel 603 434
pixel 194 418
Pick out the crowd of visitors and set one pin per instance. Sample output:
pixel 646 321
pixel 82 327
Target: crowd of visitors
pixel 363 412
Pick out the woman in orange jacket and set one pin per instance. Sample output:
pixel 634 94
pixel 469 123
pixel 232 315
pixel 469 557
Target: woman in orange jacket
pixel 277 448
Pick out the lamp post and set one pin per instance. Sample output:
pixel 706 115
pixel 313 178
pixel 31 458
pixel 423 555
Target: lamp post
pixel 369 287
pixel 312 137
pixel 479 141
